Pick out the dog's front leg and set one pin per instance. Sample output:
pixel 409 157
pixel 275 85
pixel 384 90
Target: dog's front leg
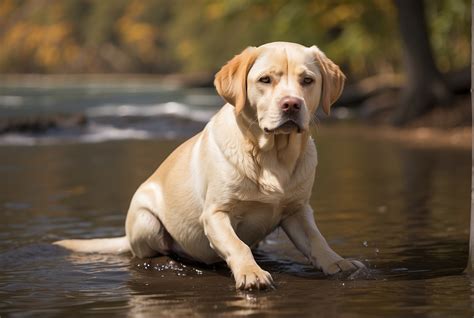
pixel 226 243
pixel 303 232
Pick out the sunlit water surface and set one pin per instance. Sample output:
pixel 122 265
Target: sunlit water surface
pixel 402 210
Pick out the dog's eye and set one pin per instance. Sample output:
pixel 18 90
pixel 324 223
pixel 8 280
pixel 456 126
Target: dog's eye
pixel 307 80
pixel 265 79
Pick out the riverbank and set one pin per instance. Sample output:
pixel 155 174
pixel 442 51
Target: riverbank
pixel 424 137
pixel 445 126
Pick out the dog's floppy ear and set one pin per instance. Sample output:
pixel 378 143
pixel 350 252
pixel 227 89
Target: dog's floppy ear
pixel 231 80
pixel 333 79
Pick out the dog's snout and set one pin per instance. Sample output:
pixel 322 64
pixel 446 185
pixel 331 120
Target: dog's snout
pixel 291 104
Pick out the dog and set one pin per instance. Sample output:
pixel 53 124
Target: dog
pixel 250 171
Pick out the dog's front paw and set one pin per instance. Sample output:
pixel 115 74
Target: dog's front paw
pixel 252 277
pixel 343 266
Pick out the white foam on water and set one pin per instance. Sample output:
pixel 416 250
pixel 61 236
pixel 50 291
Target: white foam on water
pixel 17 139
pixel 99 133
pixel 94 133
pixel 166 109
pixel 11 101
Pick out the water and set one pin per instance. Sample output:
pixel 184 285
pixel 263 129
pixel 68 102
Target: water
pixel 401 209
pixel 115 111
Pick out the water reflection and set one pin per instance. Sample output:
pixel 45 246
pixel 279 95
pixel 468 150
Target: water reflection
pixel 400 209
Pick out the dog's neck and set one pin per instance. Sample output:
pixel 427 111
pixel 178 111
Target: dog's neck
pixel 270 161
pixel 284 148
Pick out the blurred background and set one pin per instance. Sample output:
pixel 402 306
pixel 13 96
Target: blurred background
pixel 407 62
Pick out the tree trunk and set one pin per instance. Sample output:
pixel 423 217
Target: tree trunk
pixel 470 262
pixel 425 86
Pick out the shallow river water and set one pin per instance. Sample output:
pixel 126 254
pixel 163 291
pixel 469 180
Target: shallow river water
pixel 401 209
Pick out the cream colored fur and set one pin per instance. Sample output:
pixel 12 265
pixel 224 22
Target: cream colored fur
pixel 222 191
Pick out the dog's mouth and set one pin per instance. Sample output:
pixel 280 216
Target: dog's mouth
pixel 287 127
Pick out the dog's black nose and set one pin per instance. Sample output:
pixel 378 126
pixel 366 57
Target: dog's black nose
pixel 291 105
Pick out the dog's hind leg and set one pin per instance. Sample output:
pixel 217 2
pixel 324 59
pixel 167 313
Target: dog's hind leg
pixel 146 234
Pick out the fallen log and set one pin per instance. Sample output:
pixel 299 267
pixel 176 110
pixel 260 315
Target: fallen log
pixel 459 82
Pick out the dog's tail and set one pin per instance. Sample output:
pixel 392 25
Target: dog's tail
pixel 116 245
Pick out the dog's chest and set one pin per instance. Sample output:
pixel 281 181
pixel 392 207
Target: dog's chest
pixel 269 178
pixel 252 220
pixel 272 187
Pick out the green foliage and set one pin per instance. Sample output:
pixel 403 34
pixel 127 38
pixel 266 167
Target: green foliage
pixel 450 26
pixel 199 36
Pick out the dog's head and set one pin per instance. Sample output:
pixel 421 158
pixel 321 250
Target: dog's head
pixel 280 85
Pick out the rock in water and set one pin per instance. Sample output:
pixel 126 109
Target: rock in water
pixel 40 124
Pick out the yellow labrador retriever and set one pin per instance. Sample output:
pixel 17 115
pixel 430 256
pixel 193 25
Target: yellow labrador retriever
pixel 248 172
